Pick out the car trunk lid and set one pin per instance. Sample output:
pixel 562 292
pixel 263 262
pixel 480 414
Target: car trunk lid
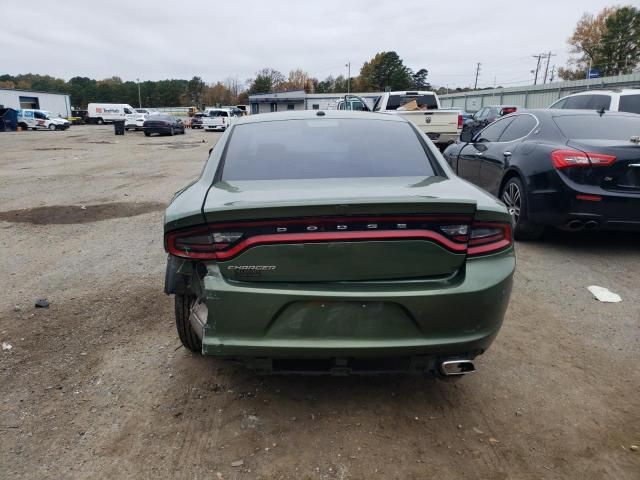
pixel 622 175
pixel 338 229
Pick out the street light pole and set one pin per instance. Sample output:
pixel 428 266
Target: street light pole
pixel 139 97
pixel 348 65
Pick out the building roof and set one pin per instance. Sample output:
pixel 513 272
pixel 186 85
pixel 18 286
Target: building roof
pixel 31 91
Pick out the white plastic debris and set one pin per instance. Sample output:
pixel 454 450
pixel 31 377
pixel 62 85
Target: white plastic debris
pixel 604 294
pixel 6 346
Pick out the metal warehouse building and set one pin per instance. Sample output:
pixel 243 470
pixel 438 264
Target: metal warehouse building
pixel 534 96
pixel 57 104
pixel 300 100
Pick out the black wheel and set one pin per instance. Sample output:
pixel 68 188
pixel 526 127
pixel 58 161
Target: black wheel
pixel 52 127
pixel 100 121
pixel 184 304
pixel 147 134
pixel 514 197
pixel 172 132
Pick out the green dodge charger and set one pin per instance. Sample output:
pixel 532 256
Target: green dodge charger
pixel 336 242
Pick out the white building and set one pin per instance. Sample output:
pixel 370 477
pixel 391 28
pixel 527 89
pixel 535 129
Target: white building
pixel 58 104
pixel 299 100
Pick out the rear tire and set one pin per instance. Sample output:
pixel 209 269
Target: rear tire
pixel 515 198
pixel 172 132
pixel 100 121
pixel 147 134
pixel 187 336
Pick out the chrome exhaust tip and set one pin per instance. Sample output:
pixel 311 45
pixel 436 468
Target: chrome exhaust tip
pixel 456 367
pixel 198 318
pixel 574 225
pixel 591 225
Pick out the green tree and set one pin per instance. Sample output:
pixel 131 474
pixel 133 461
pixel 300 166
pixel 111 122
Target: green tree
pixel 385 70
pixel 266 80
pixel 620 45
pixel 420 81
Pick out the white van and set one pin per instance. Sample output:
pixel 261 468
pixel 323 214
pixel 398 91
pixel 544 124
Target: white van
pixel 36 119
pixel 109 112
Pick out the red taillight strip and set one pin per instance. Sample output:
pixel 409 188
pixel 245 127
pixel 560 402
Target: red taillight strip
pixel 339 237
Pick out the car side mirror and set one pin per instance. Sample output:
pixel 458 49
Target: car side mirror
pixel 466 136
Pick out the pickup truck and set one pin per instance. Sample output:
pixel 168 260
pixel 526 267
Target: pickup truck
pixel 422 108
pixel 217 119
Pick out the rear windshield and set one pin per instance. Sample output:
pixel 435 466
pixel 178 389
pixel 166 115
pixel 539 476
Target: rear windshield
pixel 161 118
pixel 596 127
pixel 406 102
pixel 218 113
pixel 324 148
pixel 629 103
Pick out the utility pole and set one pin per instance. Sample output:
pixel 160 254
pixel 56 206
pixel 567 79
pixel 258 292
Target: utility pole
pixel 348 65
pixel 139 97
pixel 475 86
pixel 539 57
pixel 549 55
pixel 553 71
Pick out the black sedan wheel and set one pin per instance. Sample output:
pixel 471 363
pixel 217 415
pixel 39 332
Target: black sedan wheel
pixel 514 197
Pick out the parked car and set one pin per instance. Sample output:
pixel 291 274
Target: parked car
pixel 625 100
pixel 196 120
pixel 342 238
pixel 487 115
pixel 217 119
pixel 572 169
pixel 40 119
pixel 163 125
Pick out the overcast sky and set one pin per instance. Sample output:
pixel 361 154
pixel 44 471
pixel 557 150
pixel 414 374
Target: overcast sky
pixel 157 39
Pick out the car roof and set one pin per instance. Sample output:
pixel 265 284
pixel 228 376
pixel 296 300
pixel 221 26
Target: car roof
pixel 562 112
pixel 311 114
pixel 614 91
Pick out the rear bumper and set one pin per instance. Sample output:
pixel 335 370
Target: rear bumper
pixel 560 206
pixel 459 316
pixel 161 130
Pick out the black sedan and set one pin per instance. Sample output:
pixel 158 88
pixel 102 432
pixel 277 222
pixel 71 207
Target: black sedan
pixel 487 115
pixel 572 169
pixel 163 125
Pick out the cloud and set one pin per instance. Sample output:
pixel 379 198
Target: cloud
pixel 157 39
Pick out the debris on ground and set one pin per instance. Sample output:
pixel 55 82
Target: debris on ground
pixel 237 463
pixel 478 431
pixel 604 294
pixel 634 448
pixel 42 303
pixel 6 346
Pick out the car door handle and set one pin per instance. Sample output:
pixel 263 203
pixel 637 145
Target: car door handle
pixel 506 154
pixel 479 154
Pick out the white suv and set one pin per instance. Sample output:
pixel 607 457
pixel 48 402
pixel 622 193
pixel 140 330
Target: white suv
pixel 627 100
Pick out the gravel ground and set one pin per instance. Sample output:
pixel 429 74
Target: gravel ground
pixel 98 386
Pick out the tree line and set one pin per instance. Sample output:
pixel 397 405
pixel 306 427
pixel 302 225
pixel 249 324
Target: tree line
pixel 162 93
pixel 386 70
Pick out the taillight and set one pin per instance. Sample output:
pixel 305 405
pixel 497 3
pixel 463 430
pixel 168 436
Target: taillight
pixel 508 110
pixel 223 241
pixel 199 242
pixel 489 237
pixel 460 121
pixel 574 158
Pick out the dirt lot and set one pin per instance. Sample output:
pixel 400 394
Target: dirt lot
pixel 97 385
